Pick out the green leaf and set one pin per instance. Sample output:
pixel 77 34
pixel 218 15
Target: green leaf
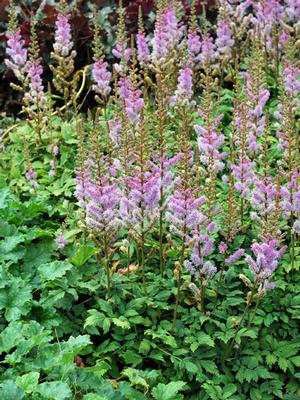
pixel 169 391
pixel 209 366
pixel 76 344
pixel 7 229
pixel 271 359
pixel 106 325
pixel 28 382
pixel 10 336
pixel 191 367
pixel 205 340
pixel 55 390
pixel 54 270
pixel 255 394
pixel 245 332
pixel 295 360
pixel 10 391
pixel 130 357
pixel 94 396
pixel 94 319
pixel 105 307
pixel 100 368
pixel 229 390
pixel 194 346
pixel 121 322
pixel 10 243
pixel 145 346
pixel 283 364
pixel 4 194
pixel 135 378
pixel 15 300
pixel 82 255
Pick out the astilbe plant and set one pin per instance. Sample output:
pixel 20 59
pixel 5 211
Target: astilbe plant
pixel 184 215
pixel 99 196
pixel 35 99
pixel 139 202
pixel 27 67
pixel 210 142
pixel 64 79
pixel 256 97
pixel 262 267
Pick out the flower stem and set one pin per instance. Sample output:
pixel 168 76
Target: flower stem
pixel 254 312
pixel 178 286
pixel 107 268
pixel 161 231
pixel 249 300
pixel 202 294
pixel 143 262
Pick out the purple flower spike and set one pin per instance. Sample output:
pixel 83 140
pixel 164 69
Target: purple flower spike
pixel 101 76
pixel 166 35
pixel 223 248
pixel 266 258
pixel 17 52
pixel 63 38
pixel 234 257
pixel 224 41
pixel 36 93
pixel 291 83
pixel 292 8
pixel 183 213
pixel 208 50
pixel 194 45
pixel 263 195
pixel 131 99
pixel 142 48
pixel 184 91
pixel 209 144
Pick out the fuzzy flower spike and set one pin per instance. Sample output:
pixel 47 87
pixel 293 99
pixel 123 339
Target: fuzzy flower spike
pixel 100 74
pixel 63 38
pixel 15 49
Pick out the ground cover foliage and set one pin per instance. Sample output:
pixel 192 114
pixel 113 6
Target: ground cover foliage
pixel 150 247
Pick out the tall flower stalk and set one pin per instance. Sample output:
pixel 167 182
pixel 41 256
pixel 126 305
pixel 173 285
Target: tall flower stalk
pixel 183 208
pixel 289 145
pixel 64 79
pixel 100 74
pixel 99 197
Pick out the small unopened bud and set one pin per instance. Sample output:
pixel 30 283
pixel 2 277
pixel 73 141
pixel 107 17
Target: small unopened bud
pixel 177 270
pixel 195 290
pixel 246 281
pixel 261 293
pixel 249 298
pixel 81 225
